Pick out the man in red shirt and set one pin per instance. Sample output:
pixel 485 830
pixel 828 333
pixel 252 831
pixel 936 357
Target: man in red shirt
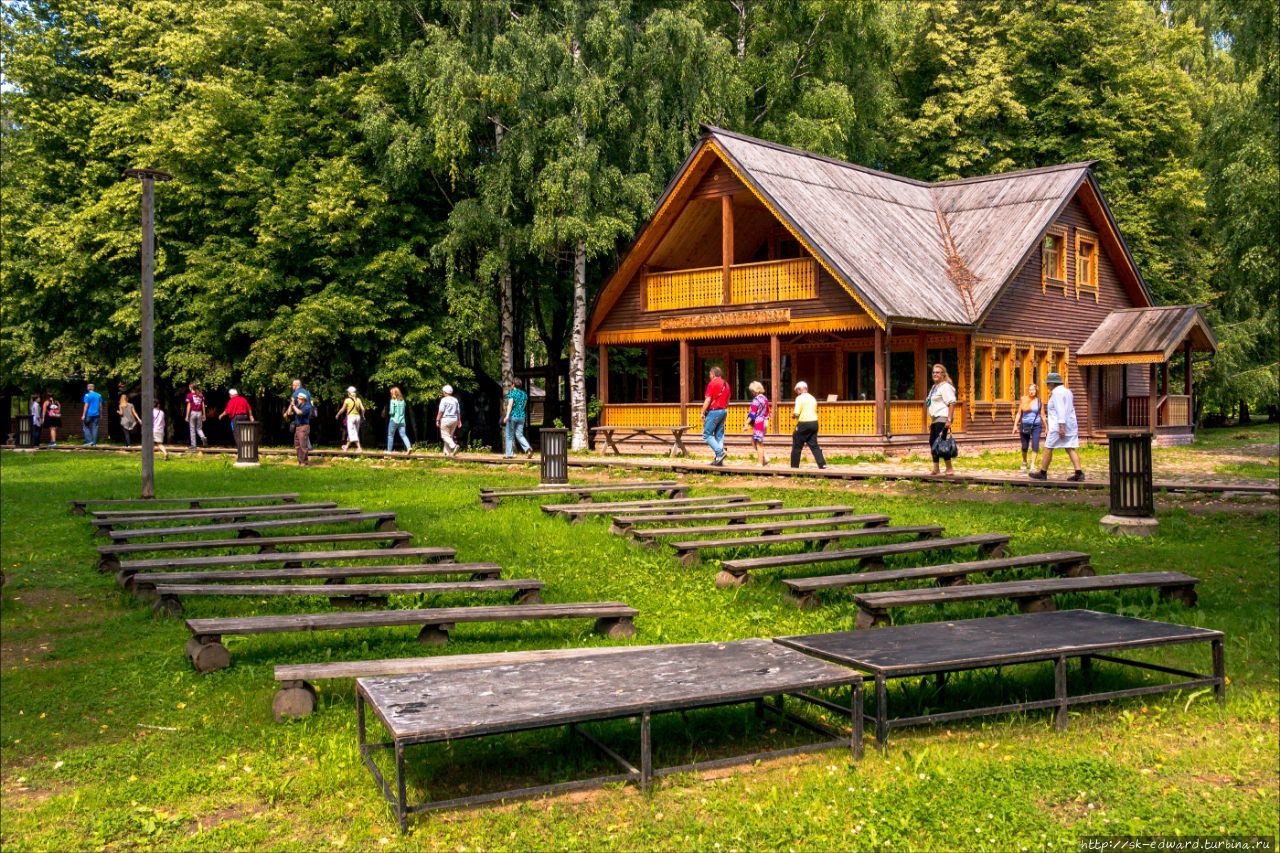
pixel 714 410
pixel 238 409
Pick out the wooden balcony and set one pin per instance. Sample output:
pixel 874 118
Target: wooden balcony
pixel 1172 410
pixel 749 284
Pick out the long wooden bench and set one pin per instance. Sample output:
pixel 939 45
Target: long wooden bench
pixel 287 559
pixel 168 595
pixel 657 433
pixel 489 498
pixel 383 521
pixel 296 697
pixel 765 527
pixel 613 619
pixel 802 592
pixel 208 512
pixel 78 507
pixel 197 522
pixel 736 572
pixel 1031 596
pixel 734 513
pixel 143 584
pixel 574 511
pixel 109 555
pixel 688 551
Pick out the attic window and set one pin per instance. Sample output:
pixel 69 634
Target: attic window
pixel 1053 267
pixel 1086 264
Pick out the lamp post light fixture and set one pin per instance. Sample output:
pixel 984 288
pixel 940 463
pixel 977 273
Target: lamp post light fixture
pixel 148 178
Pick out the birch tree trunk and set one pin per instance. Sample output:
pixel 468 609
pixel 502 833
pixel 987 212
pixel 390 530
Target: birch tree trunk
pixel 506 300
pixel 578 349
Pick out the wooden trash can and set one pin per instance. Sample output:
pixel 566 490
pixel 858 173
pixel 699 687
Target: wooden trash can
pixel 555 456
pixel 26 435
pixel 248 436
pixel 1133 510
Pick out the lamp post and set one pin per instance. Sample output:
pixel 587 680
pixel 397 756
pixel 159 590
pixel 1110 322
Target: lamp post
pixel 149 178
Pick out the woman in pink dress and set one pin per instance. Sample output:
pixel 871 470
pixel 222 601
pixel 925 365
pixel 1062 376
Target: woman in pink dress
pixel 758 420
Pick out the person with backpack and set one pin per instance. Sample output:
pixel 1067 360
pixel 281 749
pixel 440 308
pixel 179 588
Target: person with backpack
pixel 1028 423
pixel 758 420
pixel 352 411
pixel 52 418
pixel 194 414
pixel 449 420
pixel 940 403
pixel 395 421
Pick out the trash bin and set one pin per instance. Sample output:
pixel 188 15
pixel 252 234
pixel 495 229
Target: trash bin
pixel 25 436
pixel 248 434
pixel 1133 511
pixel 555 456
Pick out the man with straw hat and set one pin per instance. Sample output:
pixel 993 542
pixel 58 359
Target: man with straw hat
pixel 1063 432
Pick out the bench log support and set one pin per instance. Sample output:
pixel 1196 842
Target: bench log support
pixel 293 699
pixel 615 628
pixel 207 653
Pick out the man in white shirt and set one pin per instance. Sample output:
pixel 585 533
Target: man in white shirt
pixel 1063 431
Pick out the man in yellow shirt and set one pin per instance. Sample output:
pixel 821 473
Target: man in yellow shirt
pixel 806 427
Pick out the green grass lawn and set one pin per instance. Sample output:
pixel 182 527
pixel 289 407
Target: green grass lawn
pixel 109 738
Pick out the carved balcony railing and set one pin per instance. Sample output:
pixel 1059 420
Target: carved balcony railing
pixel 749 284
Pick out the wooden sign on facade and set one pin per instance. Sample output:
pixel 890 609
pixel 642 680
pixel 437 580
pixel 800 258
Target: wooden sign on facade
pixel 727 318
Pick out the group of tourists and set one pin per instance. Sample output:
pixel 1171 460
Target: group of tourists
pixel 1056 420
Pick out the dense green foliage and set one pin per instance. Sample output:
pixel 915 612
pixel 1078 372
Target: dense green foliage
pixel 111 740
pixel 366 189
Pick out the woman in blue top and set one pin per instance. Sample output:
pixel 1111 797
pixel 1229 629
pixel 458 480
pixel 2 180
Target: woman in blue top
pixel 395 421
pixel 1028 422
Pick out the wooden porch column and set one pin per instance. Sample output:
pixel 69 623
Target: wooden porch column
pixel 1186 383
pixel 684 380
pixel 1164 379
pixel 775 370
pixel 602 382
pixel 922 367
pixel 726 245
pixel 650 394
pixel 1124 394
pixel 1152 399
pixel 882 422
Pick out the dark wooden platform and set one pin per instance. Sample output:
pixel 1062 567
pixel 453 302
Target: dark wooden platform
pixel 169 595
pixel 689 550
pixel 870 520
pixel 489 498
pixel 734 572
pixel 802 592
pixel 383 521
pixel 942 648
pixel 502 698
pixel 575 511
pixel 77 507
pixel 1030 595
pixel 143 584
pixel 198 522
pixel 733 513
pixel 613 619
pixel 109 555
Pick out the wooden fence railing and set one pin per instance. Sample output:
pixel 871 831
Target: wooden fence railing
pixel 749 284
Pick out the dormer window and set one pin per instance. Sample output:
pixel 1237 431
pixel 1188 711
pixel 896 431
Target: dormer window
pixel 1086 264
pixel 1053 255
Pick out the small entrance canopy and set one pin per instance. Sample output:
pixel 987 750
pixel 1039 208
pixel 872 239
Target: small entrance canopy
pixel 1147 336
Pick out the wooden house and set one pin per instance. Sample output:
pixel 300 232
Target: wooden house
pixel 779 265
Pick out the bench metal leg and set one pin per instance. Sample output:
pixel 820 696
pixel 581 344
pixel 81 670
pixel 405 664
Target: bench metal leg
pixel 1060 693
pixel 856 720
pixel 882 713
pixel 293 699
pixel 402 805
pixel 1219 673
pixel 646 751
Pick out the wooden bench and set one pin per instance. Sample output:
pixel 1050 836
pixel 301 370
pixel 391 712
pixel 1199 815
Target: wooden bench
pixel 168 595
pixel 109 555
pixel 574 512
pixel 143 584
pixel 765 527
pixel 204 512
pixel 296 696
pixel 657 433
pixel 287 559
pixel 383 521
pixel 103 525
pixel 1031 596
pixel 688 550
pixel 735 572
pixel 802 592
pixel 613 619
pixel 78 507
pixel 733 514
pixel 670 488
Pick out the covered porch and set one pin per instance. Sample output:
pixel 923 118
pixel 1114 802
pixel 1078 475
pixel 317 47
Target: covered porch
pixel 1143 360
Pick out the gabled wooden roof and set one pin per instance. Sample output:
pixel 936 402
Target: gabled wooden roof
pixel 908 251
pixel 1147 335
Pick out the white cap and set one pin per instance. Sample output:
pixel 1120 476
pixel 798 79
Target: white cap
pixel 351 389
pixel 448 389
pixel 233 392
pixel 802 386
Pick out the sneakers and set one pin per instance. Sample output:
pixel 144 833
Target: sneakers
pixel 1077 477
pixel 529 454
pixel 718 462
pixel 1024 467
pixel 1039 475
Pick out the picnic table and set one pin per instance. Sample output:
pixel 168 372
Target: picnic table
pixel 656 433
pixel 501 698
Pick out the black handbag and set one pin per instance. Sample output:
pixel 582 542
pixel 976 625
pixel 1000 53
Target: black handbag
pixel 945 446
